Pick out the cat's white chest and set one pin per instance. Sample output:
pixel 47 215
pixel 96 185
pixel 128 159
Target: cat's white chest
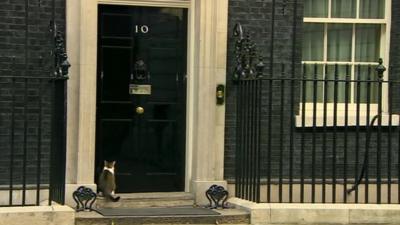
pixel 111 170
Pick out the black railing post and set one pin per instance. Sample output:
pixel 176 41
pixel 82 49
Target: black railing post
pixel 238 135
pixel 380 70
pixel 12 138
pixel 25 143
pixel 314 131
pixel 324 138
pixel 292 102
pixel 259 136
pixel 389 146
pixel 269 139
pixel 335 111
pixel 368 136
pixel 346 131
pixel 58 149
pixel 247 139
pixel 254 140
pixel 358 100
pixel 11 175
pixel 271 72
pixel 303 130
pixel 39 145
pixel 26 56
pixel 281 130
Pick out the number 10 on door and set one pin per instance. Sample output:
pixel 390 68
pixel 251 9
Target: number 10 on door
pixel 141 29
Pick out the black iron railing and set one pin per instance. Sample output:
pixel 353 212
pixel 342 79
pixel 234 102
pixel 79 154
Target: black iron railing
pixel 26 139
pixel 32 108
pixel 330 135
pixel 32 140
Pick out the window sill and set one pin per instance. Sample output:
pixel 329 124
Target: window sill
pixel 341 120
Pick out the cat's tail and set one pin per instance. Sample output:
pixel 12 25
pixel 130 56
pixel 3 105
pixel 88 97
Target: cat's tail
pixel 112 198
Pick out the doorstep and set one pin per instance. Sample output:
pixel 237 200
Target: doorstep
pixel 226 216
pixel 146 200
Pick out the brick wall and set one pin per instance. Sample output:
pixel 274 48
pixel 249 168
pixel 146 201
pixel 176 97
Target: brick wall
pixel 256 17
pixel 395 48
pixel 25 103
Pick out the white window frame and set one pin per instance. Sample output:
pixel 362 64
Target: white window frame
pixel 340 113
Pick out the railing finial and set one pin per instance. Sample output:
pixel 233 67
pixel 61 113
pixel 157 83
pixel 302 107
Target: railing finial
pixel 380 68
pixel 238 31
pixel 246 55
pixel 61 64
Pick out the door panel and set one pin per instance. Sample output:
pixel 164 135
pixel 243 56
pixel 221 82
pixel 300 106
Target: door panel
pixel 115 74
pixel 150 147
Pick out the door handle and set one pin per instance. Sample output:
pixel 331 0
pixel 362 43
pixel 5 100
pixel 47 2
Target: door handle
pixel 139 110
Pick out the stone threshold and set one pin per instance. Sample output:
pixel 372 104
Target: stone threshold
pixel 147 200
pixel 282 213
pixel 156 195
pixel 227 216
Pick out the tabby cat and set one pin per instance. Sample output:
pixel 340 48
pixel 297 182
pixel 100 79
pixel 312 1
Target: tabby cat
pixel 106 182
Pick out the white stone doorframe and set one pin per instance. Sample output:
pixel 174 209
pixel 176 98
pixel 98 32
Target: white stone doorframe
pixel 207 43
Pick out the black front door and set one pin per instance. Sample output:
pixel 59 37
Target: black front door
pixel 141 96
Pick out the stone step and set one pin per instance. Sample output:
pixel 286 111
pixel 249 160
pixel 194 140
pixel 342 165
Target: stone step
pixel 146 200
pixel 227 216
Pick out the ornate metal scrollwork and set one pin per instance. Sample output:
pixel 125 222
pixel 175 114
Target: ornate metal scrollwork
pixel 141 72
pixel 215 194
pixel 84 198
pixel 246 55
pixel 61 64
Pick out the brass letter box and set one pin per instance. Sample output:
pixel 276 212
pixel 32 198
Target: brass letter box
pixel 140 89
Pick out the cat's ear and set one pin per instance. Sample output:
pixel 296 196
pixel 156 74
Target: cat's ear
pixel 113 163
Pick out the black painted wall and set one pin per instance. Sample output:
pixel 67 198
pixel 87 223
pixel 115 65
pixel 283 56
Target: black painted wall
pixel 25 104
pixel 395 45
pixel 256 17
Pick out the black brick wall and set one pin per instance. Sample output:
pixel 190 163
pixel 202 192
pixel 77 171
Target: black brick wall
pixel 255 16
pixel 395 47
pixel 25 103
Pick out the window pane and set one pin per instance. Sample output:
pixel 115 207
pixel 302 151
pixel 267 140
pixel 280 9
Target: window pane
pixel 313 42
pixel 339 42
pixel 368 38
pixel 316 8
pixel 372 9
pixel 313 71
pixel 364 73
pixel 344 8
pixel 341 85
